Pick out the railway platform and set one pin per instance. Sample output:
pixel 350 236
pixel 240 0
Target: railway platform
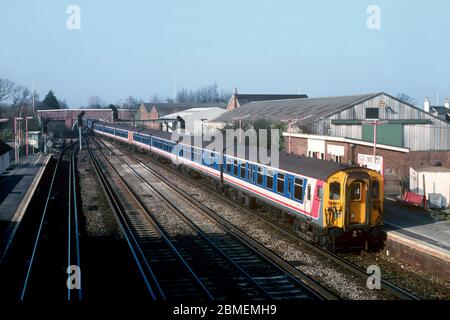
pixel 414 237
pixel 17 186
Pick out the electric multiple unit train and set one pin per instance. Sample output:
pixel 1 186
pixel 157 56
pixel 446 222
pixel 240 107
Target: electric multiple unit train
pixel 328 201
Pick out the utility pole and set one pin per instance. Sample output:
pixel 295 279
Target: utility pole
pixel 26 134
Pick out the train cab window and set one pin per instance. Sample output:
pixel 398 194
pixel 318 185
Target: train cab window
pixel 280 182
pixel 259 177
pixel 375 189
pixel 235 167
pixel 298 189
pixel 243 170
pixel 355 191
pixel 335 191
pixel 269 178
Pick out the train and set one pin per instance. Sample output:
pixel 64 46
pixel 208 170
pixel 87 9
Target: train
pixel 330 203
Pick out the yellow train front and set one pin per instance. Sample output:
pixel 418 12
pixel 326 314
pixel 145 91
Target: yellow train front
pixel 353 208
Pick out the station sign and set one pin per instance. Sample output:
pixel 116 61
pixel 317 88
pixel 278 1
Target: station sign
pixel 375 163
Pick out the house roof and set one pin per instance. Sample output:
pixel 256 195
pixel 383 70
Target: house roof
pixel 247 98
pixel 4 148
pixel 441 112
pixel 308 109
pixel 169 108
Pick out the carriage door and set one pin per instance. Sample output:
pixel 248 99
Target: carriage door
pixel 357 201
pixel 289 186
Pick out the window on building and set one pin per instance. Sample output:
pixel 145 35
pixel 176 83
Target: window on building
pixel 269 178
pixel 335 191
pixel 260 176
pixel 298 189
pixel 280 182
pixel 337 159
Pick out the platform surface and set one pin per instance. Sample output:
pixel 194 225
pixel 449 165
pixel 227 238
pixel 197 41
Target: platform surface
pixel 14 184
pixel 416 223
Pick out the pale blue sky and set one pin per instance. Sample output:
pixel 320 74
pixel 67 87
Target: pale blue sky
pixel 141 47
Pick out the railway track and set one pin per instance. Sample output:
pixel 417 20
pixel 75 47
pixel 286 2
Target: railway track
pixel 36 266
pixel 259 273
pixel 165 272
pixel 336 258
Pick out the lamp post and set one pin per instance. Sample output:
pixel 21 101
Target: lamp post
pixel 26 135
pixel 17 139
pixel 290 122
pixel 374 123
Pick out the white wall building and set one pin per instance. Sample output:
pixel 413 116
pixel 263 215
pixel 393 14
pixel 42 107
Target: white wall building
pixel 436 181
pixel 4 156
pixel 193 118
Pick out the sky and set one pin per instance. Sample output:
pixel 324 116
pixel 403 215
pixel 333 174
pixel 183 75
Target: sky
pixel 141 48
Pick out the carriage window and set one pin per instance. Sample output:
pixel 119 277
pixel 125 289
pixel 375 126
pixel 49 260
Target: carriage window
pixel 298 189
pixel 280 182
pixel 355 191
pixel 242 170
pixel 269 178
pixel 235 167
pixel 308 194
pixel 228 169
pixel 260 176
pixel 335 191
pixel 375 190
pixel 250 172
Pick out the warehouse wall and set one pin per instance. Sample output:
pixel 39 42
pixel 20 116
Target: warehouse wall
pixel 418 137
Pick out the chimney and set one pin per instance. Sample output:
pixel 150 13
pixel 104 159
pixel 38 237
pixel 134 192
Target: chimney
pixel 426 105
pixel 447 103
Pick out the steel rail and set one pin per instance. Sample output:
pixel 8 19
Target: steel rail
pixel 41 224
pixel 350 266
pixel 310 284
pixel 160 231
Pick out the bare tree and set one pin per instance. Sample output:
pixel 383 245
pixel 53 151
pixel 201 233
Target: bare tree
pixel 155 99
pixel 95 102
pixel 6 89
pixel 132 103
pixel 207 94
pixel 20 96
pixel 407 99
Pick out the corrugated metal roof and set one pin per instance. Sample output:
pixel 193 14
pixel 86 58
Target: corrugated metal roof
pixel 247 98
pixel 168 108
pixel 306 109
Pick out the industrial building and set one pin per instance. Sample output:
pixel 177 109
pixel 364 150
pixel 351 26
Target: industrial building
pixel 194 119
pixel 342 129
pixel 239 99
pixel 148 112
pixel 400 124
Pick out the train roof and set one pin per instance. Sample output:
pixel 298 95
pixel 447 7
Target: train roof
pixel 311 167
